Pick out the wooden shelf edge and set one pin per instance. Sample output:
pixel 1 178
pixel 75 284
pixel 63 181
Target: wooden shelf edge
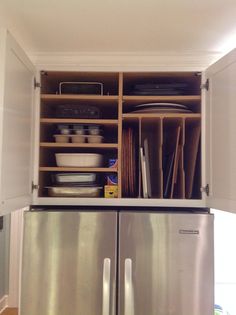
pixel 161 97
pixel 79 145
pixel 78 169
pixel 78 121
pixel 159 115
pixel 56 97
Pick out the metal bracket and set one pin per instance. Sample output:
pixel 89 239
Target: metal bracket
pixel 1 223
pixel 206 85
pixel 34 187
pixel 206 189
pixel 36 84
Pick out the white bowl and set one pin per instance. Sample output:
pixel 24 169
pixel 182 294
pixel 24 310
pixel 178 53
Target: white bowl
pixel 94 139
pixel 79 159
pixel 78 138
pixel 62 138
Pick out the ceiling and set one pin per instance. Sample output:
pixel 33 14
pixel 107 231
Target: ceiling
pixel 96 26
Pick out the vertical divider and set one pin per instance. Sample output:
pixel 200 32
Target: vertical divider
pixel 120 111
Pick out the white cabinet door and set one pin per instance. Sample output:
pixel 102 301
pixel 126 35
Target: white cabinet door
pixel 16 100
pixel 221 133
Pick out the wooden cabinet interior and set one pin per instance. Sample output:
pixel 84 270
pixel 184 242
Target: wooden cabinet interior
pixel 171 140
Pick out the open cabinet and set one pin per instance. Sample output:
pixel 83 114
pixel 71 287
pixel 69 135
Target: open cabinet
pixel 189 155
pixel 168 138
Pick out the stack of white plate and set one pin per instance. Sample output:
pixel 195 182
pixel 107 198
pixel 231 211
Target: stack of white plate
pixel 161 108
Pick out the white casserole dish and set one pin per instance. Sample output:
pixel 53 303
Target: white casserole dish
pixel 62 178
pixel 74 191
pixel 79 159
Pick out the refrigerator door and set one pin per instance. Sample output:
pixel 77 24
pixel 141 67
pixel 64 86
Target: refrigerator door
pixel 166 264
pixel 69 263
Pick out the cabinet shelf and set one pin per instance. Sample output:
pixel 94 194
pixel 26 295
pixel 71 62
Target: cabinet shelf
pixel 160 115
pixel 133 99
pixel 78 169
pixel 78 121
pixel 77 97
pixel 79 145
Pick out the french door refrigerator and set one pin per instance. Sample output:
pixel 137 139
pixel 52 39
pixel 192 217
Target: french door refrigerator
pixel 117 263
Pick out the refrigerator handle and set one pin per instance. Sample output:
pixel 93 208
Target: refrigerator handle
pixel 106 286
pixel 129 294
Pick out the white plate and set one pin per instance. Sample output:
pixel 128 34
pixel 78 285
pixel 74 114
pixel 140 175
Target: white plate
pixel 162 110
pixel 162 105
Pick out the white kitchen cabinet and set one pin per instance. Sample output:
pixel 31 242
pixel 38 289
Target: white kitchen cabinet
pixel 20 135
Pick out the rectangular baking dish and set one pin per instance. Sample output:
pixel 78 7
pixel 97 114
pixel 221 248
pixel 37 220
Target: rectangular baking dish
pixel 79 159
pixel 58 191
pixel 93 88
pixel 66 178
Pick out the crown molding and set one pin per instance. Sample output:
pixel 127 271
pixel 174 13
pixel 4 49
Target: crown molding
pixel 124 61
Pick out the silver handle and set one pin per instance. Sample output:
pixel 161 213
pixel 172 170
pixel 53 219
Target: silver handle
pixel 106 286
pixel 129 294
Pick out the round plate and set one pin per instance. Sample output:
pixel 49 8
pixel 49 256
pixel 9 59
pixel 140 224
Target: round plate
pixel 161 110
pixel 172 105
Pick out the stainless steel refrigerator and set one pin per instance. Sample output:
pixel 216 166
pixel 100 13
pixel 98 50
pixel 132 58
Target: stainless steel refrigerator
pixel 117 263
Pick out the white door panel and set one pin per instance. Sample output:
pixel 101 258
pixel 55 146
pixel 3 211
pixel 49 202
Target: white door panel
pixel 221 140
pixel 16 133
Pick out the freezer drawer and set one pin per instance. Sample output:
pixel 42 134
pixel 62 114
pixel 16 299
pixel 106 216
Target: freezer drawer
pixel 69 263
pixel 166 264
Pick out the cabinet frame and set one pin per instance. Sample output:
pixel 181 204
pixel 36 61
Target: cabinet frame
pixel 140 202
pixel 33 199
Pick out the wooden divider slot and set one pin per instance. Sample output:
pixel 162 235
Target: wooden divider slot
pixel 179 187
pixel 151 142
pixel 172 147
pixel 130 159
pixel 192 164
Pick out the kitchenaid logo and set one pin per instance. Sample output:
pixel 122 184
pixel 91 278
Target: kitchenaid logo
pixel 188 231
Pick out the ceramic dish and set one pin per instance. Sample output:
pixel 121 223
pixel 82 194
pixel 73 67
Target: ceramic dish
pixel 66 178
pixel 58 191
pixel 62 138
pixel 79 159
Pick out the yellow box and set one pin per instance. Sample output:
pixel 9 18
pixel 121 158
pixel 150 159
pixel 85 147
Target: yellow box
pixel 111 191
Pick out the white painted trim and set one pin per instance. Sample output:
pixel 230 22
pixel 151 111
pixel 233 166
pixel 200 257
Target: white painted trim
pixel 3 42
pixel 204 123
pixel 88 61
pixel 116 202
pixel 16 241
pixel 3 303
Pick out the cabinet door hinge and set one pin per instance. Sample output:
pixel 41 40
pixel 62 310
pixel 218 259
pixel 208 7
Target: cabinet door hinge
pixel 1 223
pixel 36 84
pixel 206 189
pixel 34 186
pixel 205 86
